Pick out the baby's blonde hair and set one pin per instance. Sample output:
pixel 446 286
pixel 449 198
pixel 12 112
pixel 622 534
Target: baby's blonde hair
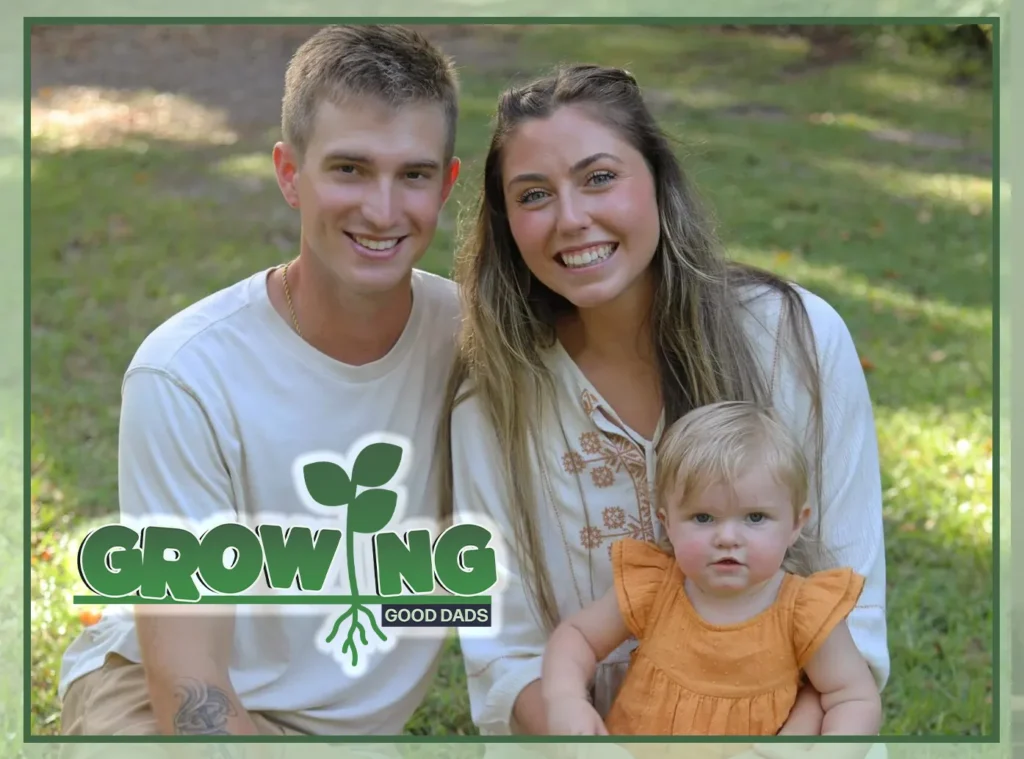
pixel 717 443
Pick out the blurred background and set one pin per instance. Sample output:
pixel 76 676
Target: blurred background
pixel 856 161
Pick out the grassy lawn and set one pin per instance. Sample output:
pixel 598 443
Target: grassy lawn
pixel 843 178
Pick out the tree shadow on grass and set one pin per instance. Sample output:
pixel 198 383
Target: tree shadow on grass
pixel 879 218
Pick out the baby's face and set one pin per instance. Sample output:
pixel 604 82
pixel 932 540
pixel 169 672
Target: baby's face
pixel 731 539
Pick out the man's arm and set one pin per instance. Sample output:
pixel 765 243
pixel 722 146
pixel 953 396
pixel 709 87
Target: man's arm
pixel 170 471
pixel 186 654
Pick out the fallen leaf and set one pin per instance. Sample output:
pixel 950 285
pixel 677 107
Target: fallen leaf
pixel 89 617
pixel 866 364
pixel 783 256
pixel 844 235
pixel 924 216
pixel 937 356
pixel 141 177
pixel 890 274
pixel 878 228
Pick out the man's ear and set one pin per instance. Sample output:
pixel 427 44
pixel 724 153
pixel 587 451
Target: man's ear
pixel 286 169
pixel 451 174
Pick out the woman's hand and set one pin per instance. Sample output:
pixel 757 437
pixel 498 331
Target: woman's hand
pixel 574 716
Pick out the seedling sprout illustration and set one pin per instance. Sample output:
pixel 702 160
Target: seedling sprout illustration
pixel 368 512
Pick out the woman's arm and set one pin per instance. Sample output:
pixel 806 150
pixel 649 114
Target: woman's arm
pixel 851 508
pixel 848 691
pixel 503 663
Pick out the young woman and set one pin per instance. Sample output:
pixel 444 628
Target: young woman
pixel 598 310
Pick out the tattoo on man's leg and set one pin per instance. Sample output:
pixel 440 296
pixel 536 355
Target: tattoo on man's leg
pixel 204 710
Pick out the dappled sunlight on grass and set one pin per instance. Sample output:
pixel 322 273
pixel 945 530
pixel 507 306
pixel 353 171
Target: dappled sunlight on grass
pixel 248 165
pixel 960 190
pixel 907 87
pixel 70 117
pixel 887 294
pixel 938 474
pixel 848 120
pixel 57 530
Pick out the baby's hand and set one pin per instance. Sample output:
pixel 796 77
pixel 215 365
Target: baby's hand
pixel 574 716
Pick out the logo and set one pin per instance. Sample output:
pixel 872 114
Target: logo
pixel 388 572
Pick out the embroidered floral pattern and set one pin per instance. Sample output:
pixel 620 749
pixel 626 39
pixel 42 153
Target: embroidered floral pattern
pixel 590 537
pixel 602 476
pixel 614 518
pixel 606 456
pixel 590 443
pixel 573 463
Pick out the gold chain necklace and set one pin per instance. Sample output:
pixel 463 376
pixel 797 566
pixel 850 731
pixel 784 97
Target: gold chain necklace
pixel 288 296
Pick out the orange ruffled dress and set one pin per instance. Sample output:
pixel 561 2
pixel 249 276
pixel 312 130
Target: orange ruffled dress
pixel 689 677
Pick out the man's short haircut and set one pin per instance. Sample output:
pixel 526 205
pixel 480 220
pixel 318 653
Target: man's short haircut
pixel 392 63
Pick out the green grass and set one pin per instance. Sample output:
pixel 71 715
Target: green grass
pixel 897 237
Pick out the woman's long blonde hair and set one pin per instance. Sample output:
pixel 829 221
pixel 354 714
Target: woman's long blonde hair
pixel 703 351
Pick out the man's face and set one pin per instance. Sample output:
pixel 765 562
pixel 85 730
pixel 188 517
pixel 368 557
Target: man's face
pixel 369 189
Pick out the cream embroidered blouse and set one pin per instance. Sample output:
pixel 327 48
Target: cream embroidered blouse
pixel 593 480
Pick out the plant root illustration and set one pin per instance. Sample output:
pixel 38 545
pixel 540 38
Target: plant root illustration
pixel 369 512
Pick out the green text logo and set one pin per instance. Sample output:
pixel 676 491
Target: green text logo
pixel 410 578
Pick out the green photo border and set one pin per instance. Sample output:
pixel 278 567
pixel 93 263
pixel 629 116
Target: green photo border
pixel 15 371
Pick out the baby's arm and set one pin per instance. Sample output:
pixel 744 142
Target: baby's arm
pixel 570 661
pixel 849 693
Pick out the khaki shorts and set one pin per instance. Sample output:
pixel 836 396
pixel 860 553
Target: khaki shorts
pixel 114 700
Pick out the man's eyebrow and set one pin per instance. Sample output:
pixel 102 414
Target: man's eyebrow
pixel 576 167
pixel 345 157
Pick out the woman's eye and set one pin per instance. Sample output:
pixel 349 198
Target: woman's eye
pixel 530 196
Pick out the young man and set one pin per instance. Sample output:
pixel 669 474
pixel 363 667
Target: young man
pixel 222 400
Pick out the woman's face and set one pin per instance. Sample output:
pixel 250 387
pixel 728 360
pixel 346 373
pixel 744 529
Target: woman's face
pixel 582 207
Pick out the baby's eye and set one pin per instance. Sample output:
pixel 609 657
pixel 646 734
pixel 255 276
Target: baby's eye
pixel 702 518
pixel 757 518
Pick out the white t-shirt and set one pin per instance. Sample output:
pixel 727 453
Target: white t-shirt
pixel 219 403
pixel 593 483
